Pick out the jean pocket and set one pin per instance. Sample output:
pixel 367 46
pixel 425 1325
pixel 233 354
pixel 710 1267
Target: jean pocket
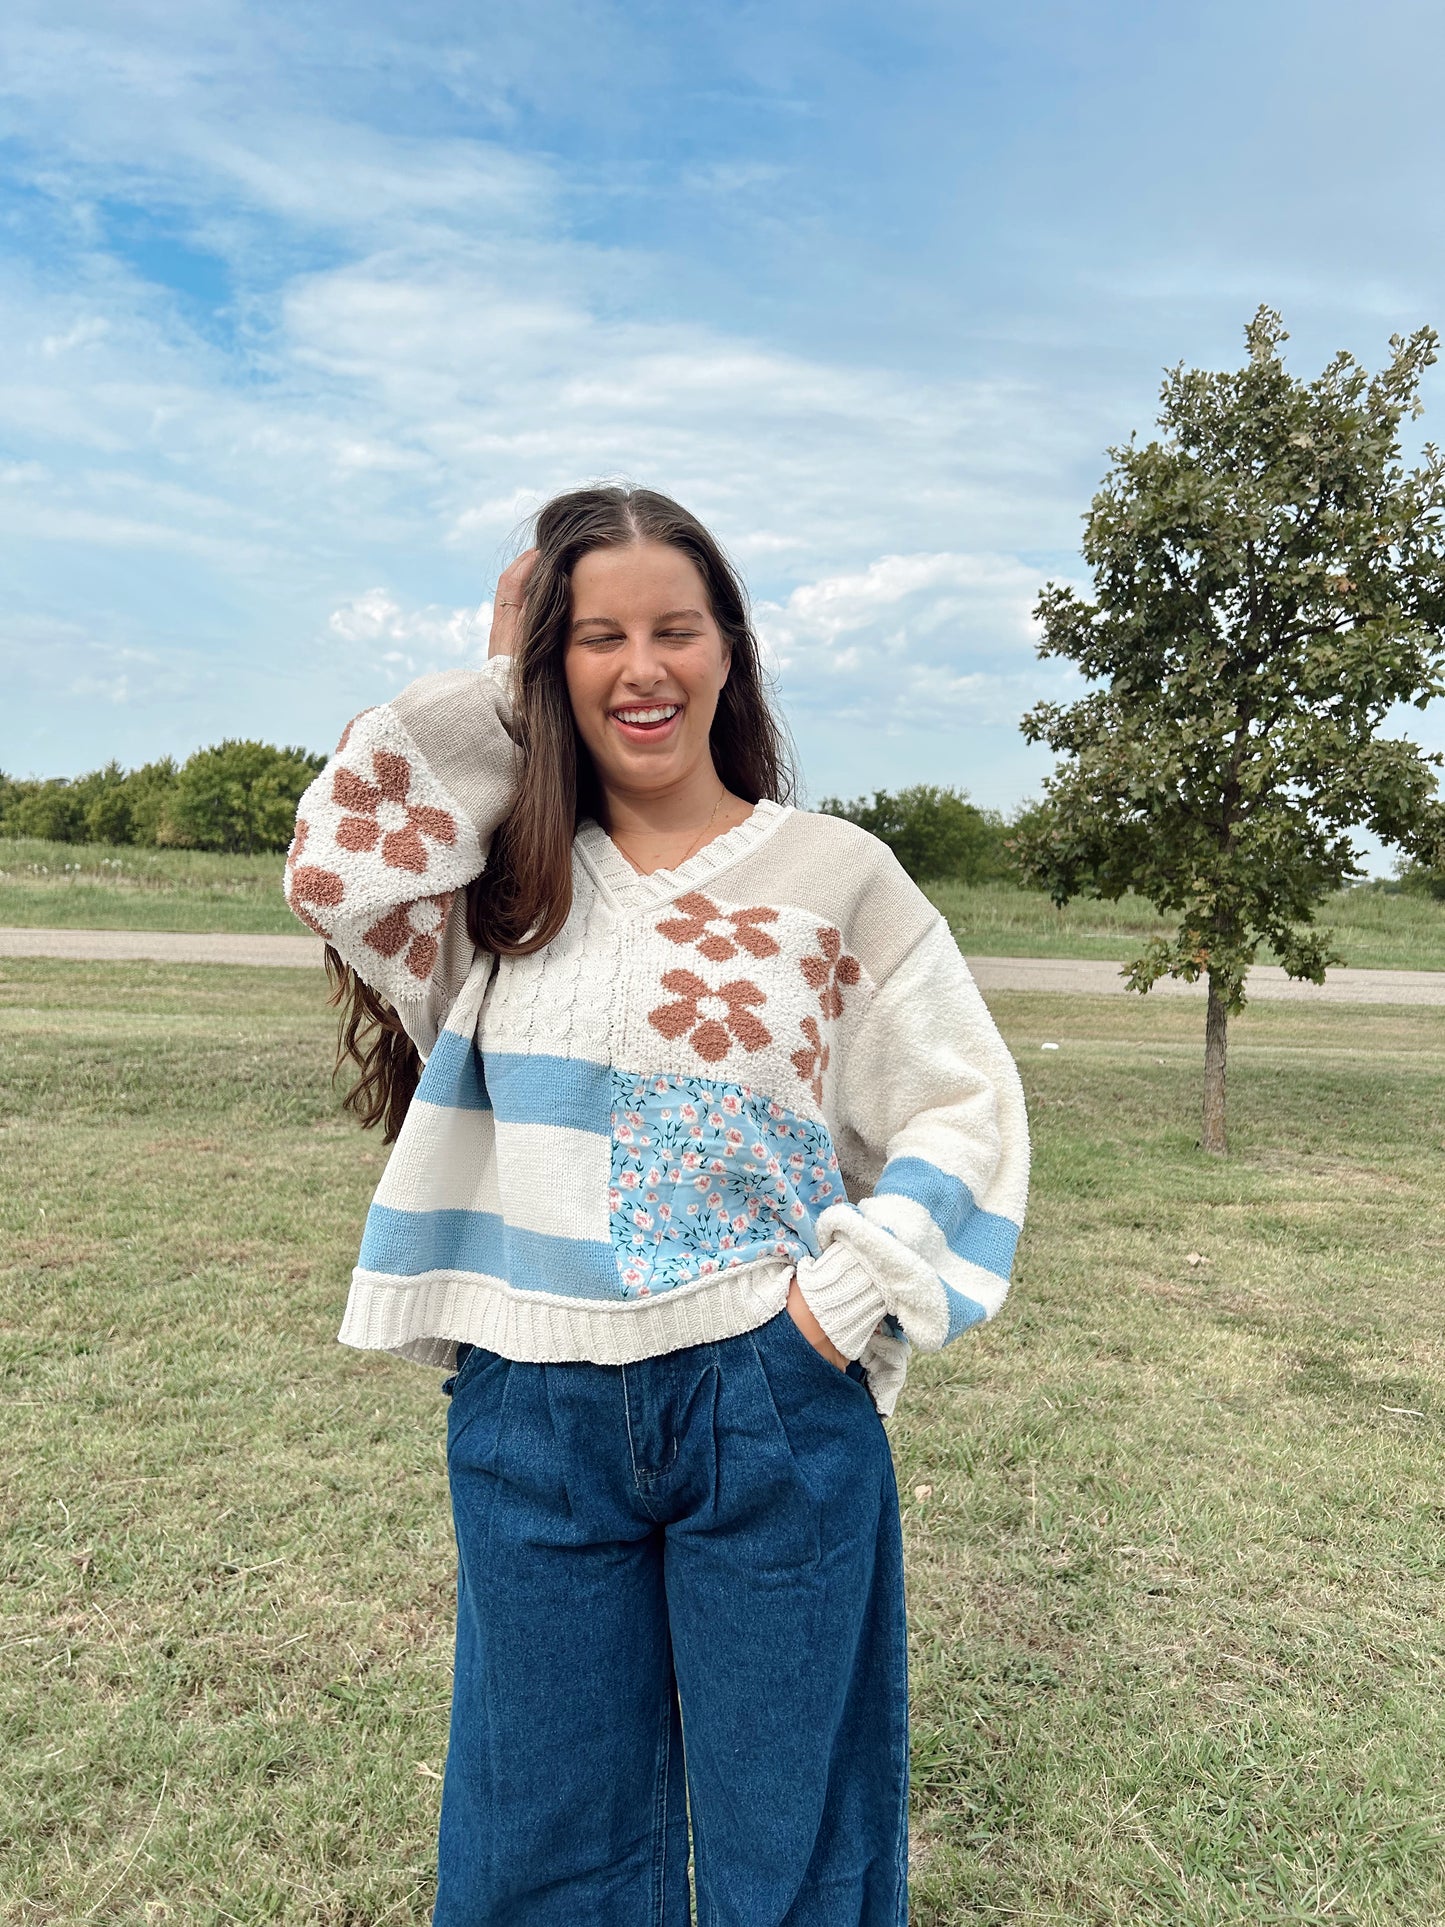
pixel 793 1333
pixel 470 1360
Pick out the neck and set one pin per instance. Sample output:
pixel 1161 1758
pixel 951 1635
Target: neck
pixel 684 806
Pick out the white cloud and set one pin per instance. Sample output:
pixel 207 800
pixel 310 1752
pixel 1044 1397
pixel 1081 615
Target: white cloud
pixel 389 408
pixel 934 641
pixel 89 328
pixel 411 640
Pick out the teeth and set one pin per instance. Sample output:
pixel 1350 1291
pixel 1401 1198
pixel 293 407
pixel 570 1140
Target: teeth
pixel 646 715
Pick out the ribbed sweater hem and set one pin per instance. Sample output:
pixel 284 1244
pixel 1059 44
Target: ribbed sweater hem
pixel 424 1318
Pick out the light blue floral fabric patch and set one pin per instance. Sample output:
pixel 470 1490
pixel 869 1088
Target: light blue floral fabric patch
pixel 707 1176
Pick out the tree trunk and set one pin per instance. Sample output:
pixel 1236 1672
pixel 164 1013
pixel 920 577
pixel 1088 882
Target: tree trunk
pixel 1216 1038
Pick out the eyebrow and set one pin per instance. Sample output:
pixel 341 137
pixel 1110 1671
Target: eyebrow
pixel 611 622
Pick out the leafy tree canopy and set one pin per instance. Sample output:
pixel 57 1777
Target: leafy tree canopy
pixel 1269 581
pixel 936 834
pixel 239 796
pixel 236 796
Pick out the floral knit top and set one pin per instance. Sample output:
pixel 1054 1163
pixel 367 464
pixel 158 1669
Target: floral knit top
pixel 769 1060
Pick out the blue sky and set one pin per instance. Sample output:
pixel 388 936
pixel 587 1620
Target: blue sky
pixel 306 306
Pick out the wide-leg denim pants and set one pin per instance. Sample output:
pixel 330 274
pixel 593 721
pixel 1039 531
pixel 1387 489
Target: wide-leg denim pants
pixel 680 1591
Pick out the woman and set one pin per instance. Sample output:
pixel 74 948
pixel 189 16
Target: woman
pixel 713 1126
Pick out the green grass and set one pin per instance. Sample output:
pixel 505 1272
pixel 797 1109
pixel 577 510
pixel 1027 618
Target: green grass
pixel 1177 1640
pixel 1374 930
pixel 100 887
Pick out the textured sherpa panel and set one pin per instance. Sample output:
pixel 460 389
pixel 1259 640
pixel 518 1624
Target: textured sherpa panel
pixel 840 875
pixel 758 994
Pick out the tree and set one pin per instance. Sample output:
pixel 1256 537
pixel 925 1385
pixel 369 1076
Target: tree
pixel 936 834
pixel 106 807
pixel 239 796
pixel 1269 580
pixel 51 810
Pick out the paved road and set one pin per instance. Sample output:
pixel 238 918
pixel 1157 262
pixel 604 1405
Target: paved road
pixel 159 946
pixel 1267 982
pixel 1058 974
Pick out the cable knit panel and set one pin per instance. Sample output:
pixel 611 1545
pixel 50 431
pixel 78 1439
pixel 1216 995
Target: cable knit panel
pixel 770 1062
pixel 548 1001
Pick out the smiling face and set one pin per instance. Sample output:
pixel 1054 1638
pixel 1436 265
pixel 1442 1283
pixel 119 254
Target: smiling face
pixel 645 662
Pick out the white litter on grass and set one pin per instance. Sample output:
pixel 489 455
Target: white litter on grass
pixel 1048 1047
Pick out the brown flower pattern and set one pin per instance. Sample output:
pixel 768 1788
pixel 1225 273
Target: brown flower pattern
pixel 307 884
pixel 812 1061
pixel 402 847
pixel 416 929
pixel 710 1019
pixel 831 971
pixel 717 933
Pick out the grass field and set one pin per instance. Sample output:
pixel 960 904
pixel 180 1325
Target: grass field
pixel 1374 930
pixel 100 887
pixel 1174 1520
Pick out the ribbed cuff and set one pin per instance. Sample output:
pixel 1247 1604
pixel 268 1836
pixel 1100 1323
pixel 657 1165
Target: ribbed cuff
pixel 842 1296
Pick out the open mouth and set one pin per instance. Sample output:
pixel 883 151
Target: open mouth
pixel 646 720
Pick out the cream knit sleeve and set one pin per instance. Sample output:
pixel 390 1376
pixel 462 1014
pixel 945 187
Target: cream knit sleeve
pixel 932 1093
pixel 394 828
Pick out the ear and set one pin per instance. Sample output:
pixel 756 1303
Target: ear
pixel 727 654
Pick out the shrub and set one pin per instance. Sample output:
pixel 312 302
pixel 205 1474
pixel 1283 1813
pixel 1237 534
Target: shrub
pixel 936 834
pixel 149 792
pixel 52 810
pixel 105 814
pixel 1418 879
pixel 238 796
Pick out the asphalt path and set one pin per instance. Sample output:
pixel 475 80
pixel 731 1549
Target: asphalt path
pixel 1062 975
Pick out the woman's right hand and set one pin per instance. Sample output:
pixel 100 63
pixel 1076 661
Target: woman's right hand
pixel 507 607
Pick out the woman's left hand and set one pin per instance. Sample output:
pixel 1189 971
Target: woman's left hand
pixel 507 604
pixel 807 1324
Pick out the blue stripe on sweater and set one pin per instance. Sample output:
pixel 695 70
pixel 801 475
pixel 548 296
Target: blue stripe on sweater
pixel 403 1244
pixel 453 1075
pixel 962 1311
pixel 529 1088
pixel 981 1237
pixel 522 1087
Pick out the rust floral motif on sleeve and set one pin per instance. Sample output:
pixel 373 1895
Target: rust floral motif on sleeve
pixel 710 1019
pixel 416 929
pixel 380 812
pixel 830 972
pixel 719 934
pixel 308 885
pixel 812 1060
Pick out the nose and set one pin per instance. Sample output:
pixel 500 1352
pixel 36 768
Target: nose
pixel 642 667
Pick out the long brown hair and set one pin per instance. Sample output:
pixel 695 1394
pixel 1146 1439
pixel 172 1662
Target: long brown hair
pixel 523 897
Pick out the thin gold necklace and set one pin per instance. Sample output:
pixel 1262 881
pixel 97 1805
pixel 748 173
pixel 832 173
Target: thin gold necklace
pixel 689 851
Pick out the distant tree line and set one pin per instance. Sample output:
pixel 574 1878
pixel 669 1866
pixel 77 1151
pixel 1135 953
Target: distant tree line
pixel 242 797
pixel 1417 879
pixel 938 835
pixel 237 796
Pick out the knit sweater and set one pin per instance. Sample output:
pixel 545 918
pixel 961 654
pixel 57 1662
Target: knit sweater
pixel 769 1060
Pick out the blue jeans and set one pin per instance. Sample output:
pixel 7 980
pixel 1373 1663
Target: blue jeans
pixel 704 1542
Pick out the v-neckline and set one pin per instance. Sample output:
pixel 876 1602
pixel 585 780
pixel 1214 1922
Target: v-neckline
pixel 629 886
